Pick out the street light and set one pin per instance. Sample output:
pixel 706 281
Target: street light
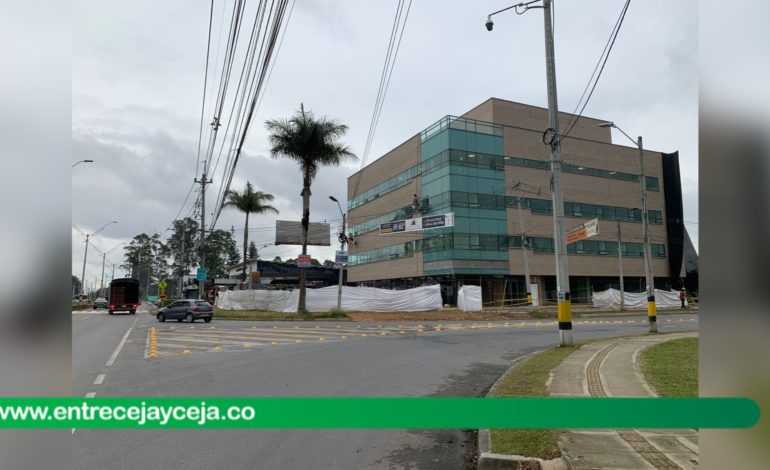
pixel 82 161
pixel 552 138
pixel 88 238
pixel 104 258
pixel 343 239
pixel 651 310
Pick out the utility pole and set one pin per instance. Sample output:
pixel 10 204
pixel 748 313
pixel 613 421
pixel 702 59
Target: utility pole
pixel 651 310
pixel 620 269
pixel 203 182
pixel 552 138
pixel 524 246
pixel 83 275
pixel 104 257
pixel 343 239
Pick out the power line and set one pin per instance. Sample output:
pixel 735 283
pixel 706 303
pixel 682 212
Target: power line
pixel 600 67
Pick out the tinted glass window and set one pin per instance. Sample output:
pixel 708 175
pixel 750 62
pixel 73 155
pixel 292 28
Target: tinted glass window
pixel 202 303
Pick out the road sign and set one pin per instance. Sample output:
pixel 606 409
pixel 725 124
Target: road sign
pixel 162 296
pixel 419 223
pixel 162 284
pixel 201 274
pixel 152 298
pixel 304 261
pixel 341 257
pixel 583 231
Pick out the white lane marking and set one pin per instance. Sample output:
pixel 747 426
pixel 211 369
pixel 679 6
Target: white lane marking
pixel 88 395
pixel 114 356
pixel 99 379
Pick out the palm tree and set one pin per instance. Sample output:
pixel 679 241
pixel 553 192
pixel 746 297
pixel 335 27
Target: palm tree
pixel 311 143
pixel 249 202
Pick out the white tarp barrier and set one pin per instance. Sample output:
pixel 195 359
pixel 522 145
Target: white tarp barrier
pixel 469 299
pixel 610 299
pixel 269 300
pixel 367 299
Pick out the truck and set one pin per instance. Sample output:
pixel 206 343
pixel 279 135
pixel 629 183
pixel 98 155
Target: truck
pixel 124 295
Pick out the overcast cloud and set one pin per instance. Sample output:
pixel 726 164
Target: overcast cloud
pixel 138 72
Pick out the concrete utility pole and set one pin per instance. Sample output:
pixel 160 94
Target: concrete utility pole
pixel 649 279
pixel 524 247
pixel 104 258
pixel 343 239
pixel 651 310
pixel 203 182
pixel 552 138
pixel 620 269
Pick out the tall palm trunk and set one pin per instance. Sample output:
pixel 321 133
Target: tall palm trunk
pixel 245 244
pixel 305 225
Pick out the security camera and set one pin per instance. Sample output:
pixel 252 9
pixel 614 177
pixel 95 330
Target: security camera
pixel 489 24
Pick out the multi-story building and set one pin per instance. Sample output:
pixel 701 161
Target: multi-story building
pixel 469 165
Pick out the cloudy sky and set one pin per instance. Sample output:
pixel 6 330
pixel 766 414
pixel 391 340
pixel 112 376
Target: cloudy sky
pixel 138 71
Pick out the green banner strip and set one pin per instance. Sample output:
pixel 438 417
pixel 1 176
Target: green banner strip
pixel 377 413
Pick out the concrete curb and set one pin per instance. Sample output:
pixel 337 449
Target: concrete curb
pixel 489 460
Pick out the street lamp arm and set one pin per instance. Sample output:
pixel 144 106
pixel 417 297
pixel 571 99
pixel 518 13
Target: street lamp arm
pixel 104 226
pixel 612 124
pixel 525 5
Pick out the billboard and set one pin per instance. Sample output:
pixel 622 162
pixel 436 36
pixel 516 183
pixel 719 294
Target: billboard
pixel 290 233
pixel 583 231
pixel 420 223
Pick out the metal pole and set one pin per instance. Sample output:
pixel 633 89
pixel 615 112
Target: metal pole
pixel 202 263
pixel 104 256
pixel 83 275
pixel 651 310
pixel 553 140
pixel 524 245
pixel 341 265
pixel 620 269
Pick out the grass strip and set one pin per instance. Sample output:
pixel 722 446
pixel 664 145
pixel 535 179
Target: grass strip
pixel 671 368
pixel 528 379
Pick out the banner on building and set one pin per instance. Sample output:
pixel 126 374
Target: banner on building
pixel 419 223
pixel 583 231
pixel 290 233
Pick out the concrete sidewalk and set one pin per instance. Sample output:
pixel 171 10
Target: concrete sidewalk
pixel 609 369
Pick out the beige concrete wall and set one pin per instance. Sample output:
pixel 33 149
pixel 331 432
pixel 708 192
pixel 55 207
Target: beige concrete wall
pixel 389 165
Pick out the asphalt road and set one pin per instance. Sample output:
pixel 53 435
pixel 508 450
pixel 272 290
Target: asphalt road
pixel 235 358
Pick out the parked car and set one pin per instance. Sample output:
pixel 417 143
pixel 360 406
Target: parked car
pixel 187 310
pixel 101 302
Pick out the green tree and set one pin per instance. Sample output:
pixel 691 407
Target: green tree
pixel 253 251
pixel 145 258
pixel 220 249
pixel 249 202
pixel 181 245
pixel 312 143
pixel 277 259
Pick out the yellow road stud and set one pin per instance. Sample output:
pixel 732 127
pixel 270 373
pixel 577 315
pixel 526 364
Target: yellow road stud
pixel 186 351
pixel 321 338
pixel 298 341
pixel 383 334
pixel 402 332
pixel 344 337
pixel 364 335
pixel 274 343
pixel 218 349
pixel 247 346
